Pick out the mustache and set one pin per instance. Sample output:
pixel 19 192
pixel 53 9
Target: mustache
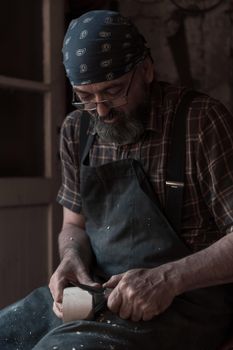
pixel 126 129
pixel 96 118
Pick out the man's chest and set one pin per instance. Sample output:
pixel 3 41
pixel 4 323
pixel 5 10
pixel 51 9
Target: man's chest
pixel 151 151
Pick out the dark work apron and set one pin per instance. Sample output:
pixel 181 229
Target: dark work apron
pixel 128 230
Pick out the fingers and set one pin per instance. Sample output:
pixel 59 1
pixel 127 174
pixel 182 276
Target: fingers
pixel 124 302
pixel 148 315
pixel 137 295
pixel 113 281
pixel 56 286
pixel 117 301
pixel 136 313
pixel 135 310
pixel 69 271
pixel 125 310
pixel 114 295
pixel 83 277
pixel 125 307
pixel 114 301
pixel 57 309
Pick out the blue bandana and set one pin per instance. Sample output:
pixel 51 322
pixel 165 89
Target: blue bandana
pixel 101 46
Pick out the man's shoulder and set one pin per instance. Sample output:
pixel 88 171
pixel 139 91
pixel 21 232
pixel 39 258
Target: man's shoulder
pixel 71 125
pixel 174 93
pixel 73 118
pixel 171 90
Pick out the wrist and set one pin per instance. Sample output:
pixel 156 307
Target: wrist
pixel 185 275
pixel 173 276
pixel 69 245
pixel 178 278
pixel 69 253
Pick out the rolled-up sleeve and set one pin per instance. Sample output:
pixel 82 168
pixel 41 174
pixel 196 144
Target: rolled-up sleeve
pixel 69 192
pixel 215 164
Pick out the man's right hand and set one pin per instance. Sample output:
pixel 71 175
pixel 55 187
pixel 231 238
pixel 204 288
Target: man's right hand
pixel 71 270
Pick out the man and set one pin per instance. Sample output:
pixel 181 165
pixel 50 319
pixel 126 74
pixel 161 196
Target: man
pixel 169 280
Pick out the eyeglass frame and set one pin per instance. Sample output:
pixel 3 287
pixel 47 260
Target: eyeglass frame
pixel 109 103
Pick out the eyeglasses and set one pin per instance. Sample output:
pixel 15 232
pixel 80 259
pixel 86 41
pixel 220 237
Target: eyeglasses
pixel 110 103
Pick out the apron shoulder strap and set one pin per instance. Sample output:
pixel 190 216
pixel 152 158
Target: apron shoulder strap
pixel 176 162
pixel 83 135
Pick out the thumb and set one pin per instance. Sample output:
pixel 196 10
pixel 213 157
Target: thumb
pixel 113 281
pixel 84 277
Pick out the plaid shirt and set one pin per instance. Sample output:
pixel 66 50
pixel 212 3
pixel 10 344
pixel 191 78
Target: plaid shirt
pixel 208 196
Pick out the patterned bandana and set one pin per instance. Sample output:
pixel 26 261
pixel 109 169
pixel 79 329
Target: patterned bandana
pixel 100 46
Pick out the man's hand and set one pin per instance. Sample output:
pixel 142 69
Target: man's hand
pixel 140 294
pixel 76 256
pixel 70 271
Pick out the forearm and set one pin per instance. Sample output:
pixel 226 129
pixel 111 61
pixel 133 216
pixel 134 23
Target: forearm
pixel 73 240
pixel 144 293
pixel 75 266
pixel 211 266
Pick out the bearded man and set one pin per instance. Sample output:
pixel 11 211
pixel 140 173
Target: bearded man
pixel 147 192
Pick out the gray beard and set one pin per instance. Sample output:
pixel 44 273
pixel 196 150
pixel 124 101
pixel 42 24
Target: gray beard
pixel 127 129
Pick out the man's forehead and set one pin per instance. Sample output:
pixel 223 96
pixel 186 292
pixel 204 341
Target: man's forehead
pixel 102 85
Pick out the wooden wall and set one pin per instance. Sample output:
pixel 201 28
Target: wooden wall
pixel 191 41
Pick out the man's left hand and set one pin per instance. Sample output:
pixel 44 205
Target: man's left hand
pixel 141 294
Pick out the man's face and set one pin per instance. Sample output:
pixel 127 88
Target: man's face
pixel 120 124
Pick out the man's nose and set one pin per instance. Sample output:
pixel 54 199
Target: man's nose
pixel 102 109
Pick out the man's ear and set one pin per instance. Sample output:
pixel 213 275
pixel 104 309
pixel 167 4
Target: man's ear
pixel 148 69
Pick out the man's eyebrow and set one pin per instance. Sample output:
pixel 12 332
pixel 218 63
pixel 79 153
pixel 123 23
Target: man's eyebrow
pixel 81 91
pixel 113 85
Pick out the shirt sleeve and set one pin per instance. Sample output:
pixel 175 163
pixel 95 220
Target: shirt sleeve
pixel 215 164
pixel 69 192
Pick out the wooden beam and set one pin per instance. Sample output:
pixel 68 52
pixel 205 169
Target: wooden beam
pixel 23 84
pixel 18 192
